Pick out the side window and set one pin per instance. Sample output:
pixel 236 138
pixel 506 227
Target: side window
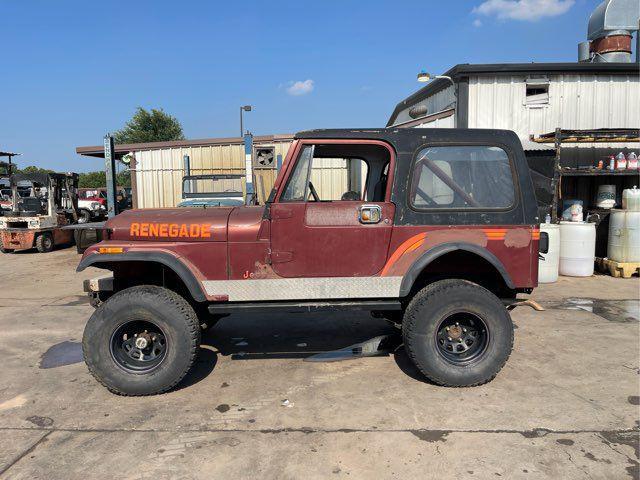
pixel 459 177
pixel 325 179
pixel 338 178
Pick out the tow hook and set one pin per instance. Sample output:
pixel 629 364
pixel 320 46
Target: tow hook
pixel 510 304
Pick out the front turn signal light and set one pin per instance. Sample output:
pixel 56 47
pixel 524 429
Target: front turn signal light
pixel 110 250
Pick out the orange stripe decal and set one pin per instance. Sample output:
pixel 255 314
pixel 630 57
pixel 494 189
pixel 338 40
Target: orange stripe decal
pixel 419 238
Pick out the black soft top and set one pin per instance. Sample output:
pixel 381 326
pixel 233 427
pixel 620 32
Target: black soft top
pixel 406 139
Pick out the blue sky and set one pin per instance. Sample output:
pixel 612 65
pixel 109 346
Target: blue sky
pixel 73 70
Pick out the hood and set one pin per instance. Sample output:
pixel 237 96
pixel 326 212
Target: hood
pixel 171 224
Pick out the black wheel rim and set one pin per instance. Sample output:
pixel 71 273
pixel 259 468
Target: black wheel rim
pixel 138 346
pixel 462 338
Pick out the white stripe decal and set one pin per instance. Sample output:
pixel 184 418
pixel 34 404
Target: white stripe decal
pixel 318 288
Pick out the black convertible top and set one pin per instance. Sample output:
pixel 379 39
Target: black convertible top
pixel 407 142
pixel 406 139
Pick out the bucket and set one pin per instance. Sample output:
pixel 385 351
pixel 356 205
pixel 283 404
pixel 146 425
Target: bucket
pixel 606 197
pixel 577 248
pixel 549 262
pixel 572 210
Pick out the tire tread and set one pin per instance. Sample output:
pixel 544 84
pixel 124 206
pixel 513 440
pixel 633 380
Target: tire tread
pixel 409 326
pixel 194 334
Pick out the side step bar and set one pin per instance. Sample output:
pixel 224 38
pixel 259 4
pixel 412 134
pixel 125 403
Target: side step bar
pixel 252 307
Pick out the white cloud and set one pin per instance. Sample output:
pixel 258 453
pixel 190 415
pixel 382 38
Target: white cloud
pixel 477 22
pixel 300 87
pixel 527 10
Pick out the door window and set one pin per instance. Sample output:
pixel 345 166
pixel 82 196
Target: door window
pixel 461 177
pixel 326 179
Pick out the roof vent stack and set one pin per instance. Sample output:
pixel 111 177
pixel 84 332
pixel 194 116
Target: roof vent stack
pixel 610 31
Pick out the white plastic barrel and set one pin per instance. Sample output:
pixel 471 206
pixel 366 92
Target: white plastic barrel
pixel 631 199
pixel 577 248
pixel 624 236
pixel 548 264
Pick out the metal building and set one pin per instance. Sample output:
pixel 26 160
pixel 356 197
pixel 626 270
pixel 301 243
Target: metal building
pixel 157 168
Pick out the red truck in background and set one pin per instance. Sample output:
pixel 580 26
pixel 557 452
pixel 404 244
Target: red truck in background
pixel 434 229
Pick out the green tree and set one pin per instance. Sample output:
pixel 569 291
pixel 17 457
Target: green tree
pixel 92 180
pixel 33 169
pixel 153 126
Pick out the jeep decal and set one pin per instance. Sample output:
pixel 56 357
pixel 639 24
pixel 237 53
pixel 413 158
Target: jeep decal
pixel 173 230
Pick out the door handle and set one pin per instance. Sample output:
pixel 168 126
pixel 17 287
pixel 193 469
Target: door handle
pixel 370 214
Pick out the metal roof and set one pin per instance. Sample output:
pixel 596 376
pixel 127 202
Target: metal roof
pixel 9 154
pixel 466 69
pixel 120 150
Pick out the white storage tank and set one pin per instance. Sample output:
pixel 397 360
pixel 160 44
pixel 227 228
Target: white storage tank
pixel 549 262
pixel 624 236
pixel 577 248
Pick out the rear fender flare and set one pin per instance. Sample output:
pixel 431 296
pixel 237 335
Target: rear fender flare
pixel 180 269
pixel 430 255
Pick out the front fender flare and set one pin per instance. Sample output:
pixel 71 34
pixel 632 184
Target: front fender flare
pixel 180 269
pixel 430 255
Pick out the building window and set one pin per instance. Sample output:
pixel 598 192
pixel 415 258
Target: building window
pixel 462 177
pixel 537 91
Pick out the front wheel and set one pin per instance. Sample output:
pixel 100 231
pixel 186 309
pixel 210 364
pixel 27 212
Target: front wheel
pixel 141 341
pixel 84 216
pixel 457 333
pixel 44 242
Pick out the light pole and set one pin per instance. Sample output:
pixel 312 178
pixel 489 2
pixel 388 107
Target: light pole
pixel 244 108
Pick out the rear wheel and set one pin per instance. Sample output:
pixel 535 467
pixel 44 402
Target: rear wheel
pixel 44 242
pixel 141 341
pixel 457 333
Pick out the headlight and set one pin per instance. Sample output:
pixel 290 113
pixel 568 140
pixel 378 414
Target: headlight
pixel 34 223
pixel 95 205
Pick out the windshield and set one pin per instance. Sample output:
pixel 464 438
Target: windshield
pixel 213 186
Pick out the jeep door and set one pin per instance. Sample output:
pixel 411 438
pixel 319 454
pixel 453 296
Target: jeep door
pixel 332 216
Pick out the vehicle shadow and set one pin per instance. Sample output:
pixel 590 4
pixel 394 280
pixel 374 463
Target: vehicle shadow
pixel 293 336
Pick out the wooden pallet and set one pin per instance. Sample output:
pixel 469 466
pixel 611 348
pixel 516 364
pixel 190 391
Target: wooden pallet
pixel 618 269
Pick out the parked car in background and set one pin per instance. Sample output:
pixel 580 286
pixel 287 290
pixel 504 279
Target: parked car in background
pixel 212 191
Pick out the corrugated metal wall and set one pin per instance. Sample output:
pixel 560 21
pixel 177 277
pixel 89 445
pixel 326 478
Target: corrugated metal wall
pixel 575 102
pixel 436 103
pixel 159 173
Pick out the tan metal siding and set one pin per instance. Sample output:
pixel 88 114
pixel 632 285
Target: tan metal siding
pixel 159 172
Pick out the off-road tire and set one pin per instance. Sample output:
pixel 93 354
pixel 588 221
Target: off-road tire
pixel 44 242
pixel 437 302
pixel 163 307
pixel 84 215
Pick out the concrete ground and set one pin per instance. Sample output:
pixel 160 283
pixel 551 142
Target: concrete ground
pixel 566 405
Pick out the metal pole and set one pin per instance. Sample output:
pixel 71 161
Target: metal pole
pixel 110 171
pixel 241 126
pixel 556 176
pixel 248 166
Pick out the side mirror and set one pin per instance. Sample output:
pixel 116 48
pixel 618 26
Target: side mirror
pixel 543 245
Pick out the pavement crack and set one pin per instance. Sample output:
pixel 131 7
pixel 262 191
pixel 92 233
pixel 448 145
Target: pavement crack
pixel 27 451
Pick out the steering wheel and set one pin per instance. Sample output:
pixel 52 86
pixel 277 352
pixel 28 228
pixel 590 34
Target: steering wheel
pixel 314 194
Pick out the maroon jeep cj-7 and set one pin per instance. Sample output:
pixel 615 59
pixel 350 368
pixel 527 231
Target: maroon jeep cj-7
pixel 434 229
